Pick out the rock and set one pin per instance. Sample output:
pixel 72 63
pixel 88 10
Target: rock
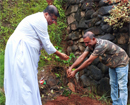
pixel 68 37
pixel 98 23
pixel 75 35
pixel 73 1
pixel 74 25
pixel 81 40
pixel 103 68
pixel 96 73
pixel 82 14
pixel 71 9
pixel 70 43
pixel 95 30
pixel 71 86
pixel 103 3
pixel 78 15
pixel 96 61
pixel 77 53
pixel 51 81
pixel 75 42
pixel 104 10
pixel 55 88
pixel 86 5
pixel 74 48
pixel 104 87
pixel 124 29
pixel 69 50
pixel 94 85
pixel 81 48
pixel 68 29
pixel 71 18
pixel 83 24
pixel 85 81
pixel 123 38
pixel 105 27
pixel 88 14
pixel 109 37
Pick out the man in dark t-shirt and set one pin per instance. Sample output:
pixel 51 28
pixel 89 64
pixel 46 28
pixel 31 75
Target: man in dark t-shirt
pixel 112 56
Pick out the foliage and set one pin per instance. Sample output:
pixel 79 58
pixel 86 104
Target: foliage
pixel 57 31
pixel 119 14
pixel 2 97
pixel 66 92
pixel 1 69
pixel 66 62
pixel 12 12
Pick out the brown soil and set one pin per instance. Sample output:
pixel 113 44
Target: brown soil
pixel 73 100
pixel 80 97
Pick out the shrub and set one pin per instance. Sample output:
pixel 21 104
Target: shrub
pixel 119 14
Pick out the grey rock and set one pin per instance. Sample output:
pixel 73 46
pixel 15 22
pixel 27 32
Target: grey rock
pixel 109 37
pixel 104 87
pixel 95 72
pixel 104 10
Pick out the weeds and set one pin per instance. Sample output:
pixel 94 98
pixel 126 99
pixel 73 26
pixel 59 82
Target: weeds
pixel 2 96
pixel 12 12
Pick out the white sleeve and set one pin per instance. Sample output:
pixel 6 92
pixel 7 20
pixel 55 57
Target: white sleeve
pixel 41 30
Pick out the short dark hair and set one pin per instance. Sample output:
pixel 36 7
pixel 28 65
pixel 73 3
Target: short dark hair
pixel 51 9
pixel 89 34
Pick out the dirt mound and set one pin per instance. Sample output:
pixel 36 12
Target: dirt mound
pixel 58 92
pixel 73 100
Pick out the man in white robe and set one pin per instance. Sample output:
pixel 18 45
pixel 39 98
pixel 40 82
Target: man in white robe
pixel 22 55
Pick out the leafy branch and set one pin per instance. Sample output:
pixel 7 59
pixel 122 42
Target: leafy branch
pixel 119 14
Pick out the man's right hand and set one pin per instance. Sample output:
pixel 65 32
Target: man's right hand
pixel 69 72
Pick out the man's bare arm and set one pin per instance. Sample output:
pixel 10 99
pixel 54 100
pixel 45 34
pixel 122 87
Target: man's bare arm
pixel 86 63
pixel 62 55
pixel 79 59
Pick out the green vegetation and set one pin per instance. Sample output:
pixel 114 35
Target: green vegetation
pixel 119 14
pixel 12 12
pixel 2 97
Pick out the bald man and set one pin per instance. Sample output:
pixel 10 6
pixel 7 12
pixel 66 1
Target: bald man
pixel 112 56
pixel 22 55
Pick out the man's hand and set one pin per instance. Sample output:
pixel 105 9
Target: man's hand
pixel 72 74
pixel 64 56
pixel 69 72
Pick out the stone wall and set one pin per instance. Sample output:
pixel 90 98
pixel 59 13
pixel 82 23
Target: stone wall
pixel 87 15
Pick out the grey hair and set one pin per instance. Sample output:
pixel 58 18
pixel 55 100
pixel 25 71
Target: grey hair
pixel 89 34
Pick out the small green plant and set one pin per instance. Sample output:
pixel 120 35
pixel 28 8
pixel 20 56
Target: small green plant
pixel 57 75
pixel 2 98
pixel 119 14
pixel 65 62
pixel 105 98
pixel 66 93
pixel 70 58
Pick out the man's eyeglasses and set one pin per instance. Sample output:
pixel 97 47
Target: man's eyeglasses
pixel 53 18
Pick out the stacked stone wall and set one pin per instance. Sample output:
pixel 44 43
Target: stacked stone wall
pixel 88 15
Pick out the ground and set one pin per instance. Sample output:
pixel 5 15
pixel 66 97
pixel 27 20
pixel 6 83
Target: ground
pixel 53 94
pixel 73 100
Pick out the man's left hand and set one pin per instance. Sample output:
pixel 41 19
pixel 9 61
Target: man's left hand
pixel 72 74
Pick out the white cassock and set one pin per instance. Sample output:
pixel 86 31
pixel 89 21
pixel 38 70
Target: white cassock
pixel 21 60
